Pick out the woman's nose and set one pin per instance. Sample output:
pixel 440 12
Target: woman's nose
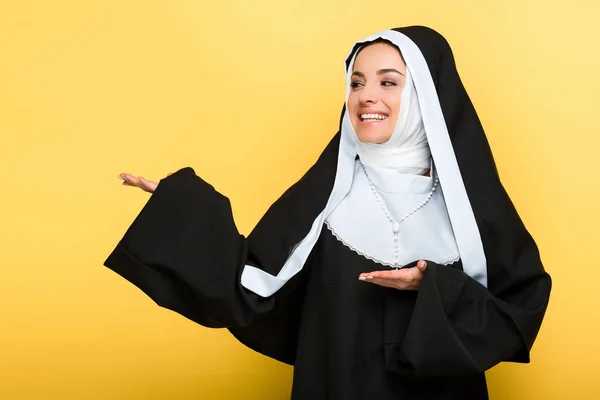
pixel 368 95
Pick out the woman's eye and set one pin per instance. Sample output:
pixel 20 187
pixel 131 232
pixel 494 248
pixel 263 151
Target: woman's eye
pixel 355 84
pixel 388 83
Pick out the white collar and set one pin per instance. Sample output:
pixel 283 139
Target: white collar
pixel 370 233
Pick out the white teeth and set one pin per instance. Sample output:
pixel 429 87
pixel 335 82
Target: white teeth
pixel 373 116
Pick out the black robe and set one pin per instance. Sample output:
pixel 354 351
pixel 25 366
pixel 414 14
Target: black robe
pixel 349 339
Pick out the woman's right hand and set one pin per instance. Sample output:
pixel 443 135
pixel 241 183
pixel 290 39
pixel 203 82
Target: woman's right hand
pixel 138 181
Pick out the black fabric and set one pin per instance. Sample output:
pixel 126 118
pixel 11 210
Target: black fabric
pixel 349 339
pixel 353 336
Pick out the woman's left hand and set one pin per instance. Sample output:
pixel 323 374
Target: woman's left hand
pixel 402 279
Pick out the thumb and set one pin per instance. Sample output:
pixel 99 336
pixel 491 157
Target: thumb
pixel 422 265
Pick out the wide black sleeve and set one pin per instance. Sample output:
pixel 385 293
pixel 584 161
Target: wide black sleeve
pixel 185 252
pixel 460 327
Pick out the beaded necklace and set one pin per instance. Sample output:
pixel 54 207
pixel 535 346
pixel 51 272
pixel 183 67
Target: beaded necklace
pixel 396 224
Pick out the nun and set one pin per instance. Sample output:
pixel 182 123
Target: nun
pixel 395 268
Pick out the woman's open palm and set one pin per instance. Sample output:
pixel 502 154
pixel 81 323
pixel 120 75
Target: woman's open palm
pixel 140 182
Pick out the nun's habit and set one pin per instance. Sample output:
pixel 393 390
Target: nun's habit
pixel 291 290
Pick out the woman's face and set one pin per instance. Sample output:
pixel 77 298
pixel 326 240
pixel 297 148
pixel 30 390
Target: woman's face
pixel 375 90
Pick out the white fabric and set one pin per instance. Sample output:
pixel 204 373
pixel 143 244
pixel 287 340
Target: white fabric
pixel 407 149
pixel 427 234
pixel 458 206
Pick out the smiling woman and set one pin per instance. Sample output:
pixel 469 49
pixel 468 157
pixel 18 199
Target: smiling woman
pixel 397 267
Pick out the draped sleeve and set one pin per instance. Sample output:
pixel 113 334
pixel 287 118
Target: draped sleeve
pixel 184 251
pixel 460 327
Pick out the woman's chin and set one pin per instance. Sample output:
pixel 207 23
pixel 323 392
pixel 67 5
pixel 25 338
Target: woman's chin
pixel 373 137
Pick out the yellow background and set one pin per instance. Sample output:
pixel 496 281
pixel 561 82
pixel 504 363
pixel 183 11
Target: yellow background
pixel 248 93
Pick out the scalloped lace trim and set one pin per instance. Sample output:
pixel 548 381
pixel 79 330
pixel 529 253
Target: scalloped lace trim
pixel 368 257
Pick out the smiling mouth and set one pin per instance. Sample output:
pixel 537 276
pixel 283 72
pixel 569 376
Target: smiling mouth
pixel 372 117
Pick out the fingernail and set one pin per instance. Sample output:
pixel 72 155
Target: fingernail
pixel 370 277
pixel 121 177
pixel 362 278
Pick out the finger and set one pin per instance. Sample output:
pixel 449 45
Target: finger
pixel 139 182
pixel 402 273
pixel 365 276
pixel 132 180
pixel 383 274
pixel 422 265
pixel 376 274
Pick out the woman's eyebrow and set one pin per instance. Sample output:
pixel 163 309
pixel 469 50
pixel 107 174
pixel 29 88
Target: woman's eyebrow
pixel 380 72
pixel 386 70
